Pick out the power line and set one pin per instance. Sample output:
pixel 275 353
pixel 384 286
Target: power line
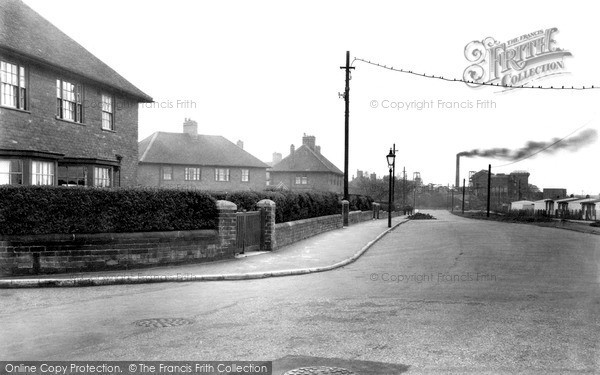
pixel 474 83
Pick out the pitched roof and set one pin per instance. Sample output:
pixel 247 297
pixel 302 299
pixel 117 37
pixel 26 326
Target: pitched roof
pixel 304 159
pixel 182 148
pixel 25 32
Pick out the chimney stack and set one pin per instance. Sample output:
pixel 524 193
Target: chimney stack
pixel 190 127
pixel 292 149
pixel 318 149
pixel 457 185
pixel 276 157
pixel 309 141
pixel 240 144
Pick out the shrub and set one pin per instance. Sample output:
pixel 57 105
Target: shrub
pixel 421 216
pixel 53 209
pixel 360 202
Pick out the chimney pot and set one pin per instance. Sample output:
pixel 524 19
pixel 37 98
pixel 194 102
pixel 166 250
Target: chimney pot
pixel 240 144
pixel 292 149
pixel 190 127
pixel 309 141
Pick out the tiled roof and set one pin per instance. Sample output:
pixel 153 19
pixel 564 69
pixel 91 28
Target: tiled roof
pixel 305 159
pixel 25 32
pixel 208 150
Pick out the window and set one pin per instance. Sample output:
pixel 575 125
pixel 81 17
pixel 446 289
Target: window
pixel 221 174
pixel 42 173
pixel 72 175
pixel 245 175
pixel 68 101
pixel 301 180
pixel 192 174
pixel 167 173
pixel 12 85
pixel 107 112
pixel 102 176
pixel 11 172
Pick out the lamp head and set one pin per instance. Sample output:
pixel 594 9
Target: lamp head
pixel 390 158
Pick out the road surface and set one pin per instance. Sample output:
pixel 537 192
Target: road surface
pixel 453 294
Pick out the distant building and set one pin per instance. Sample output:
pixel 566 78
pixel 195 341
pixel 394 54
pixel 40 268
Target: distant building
pixel 192 160
pixel 505 187
pixel 522 205
pixel 307 169
pixel 66 118
pixel 554 193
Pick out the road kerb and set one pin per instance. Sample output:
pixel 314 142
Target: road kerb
pixel 147 279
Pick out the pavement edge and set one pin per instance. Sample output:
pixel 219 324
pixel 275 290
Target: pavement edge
pixel 121 280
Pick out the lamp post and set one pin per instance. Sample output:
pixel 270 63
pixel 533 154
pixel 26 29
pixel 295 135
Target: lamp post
pixel 391 160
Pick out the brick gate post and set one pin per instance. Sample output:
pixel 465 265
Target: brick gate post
pixel 227 224
pixel 268 206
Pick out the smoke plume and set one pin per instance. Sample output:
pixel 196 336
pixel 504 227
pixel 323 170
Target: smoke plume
pixel 582 139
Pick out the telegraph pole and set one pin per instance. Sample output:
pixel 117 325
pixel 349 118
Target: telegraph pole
pixel 404 186
pixel 347 121
pixel 463 201
pixel 489 188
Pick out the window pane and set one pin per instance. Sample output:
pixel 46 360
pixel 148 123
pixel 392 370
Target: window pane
pixel 69 105
pixel 102 176
pixel 42 173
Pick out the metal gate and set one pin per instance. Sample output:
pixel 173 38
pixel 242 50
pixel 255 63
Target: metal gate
pixel 250 230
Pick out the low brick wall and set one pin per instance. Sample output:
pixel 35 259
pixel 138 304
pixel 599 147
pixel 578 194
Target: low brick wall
pixel 294 231
pixel 46 254
pixel 355 217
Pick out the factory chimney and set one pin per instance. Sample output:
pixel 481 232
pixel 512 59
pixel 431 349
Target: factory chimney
pixel 457 185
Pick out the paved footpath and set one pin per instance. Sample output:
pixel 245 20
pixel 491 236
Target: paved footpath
pixel 319 253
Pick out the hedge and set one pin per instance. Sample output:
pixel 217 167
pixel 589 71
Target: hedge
pixel 53 209
pixel 289 205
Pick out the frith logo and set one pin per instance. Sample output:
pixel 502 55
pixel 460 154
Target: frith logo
pixel 517 62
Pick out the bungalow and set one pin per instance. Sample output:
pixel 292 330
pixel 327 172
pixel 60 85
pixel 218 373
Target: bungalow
pixel 522 205
pixel 192 160
pixel 544 205
pixel 590 209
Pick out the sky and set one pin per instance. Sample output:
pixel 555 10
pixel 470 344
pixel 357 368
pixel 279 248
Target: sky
pixel 267 72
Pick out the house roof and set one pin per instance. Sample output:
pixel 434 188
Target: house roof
pixel 24 32
pixel 567 200
pixel 182 148
pixel 591 201
pixel 522 202
pixel 304 159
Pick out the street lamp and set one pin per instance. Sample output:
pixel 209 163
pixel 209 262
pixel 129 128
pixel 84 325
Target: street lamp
pixel 391 160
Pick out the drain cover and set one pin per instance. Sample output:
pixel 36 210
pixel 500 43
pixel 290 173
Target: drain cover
pixel 163 322
pixel 317 370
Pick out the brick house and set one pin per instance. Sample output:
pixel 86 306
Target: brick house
pixel 193 160
pixel 307 169
pixel 66 118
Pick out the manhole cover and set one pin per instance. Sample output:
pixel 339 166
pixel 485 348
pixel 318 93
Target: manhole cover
pixel 320 370
pixel 163 322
